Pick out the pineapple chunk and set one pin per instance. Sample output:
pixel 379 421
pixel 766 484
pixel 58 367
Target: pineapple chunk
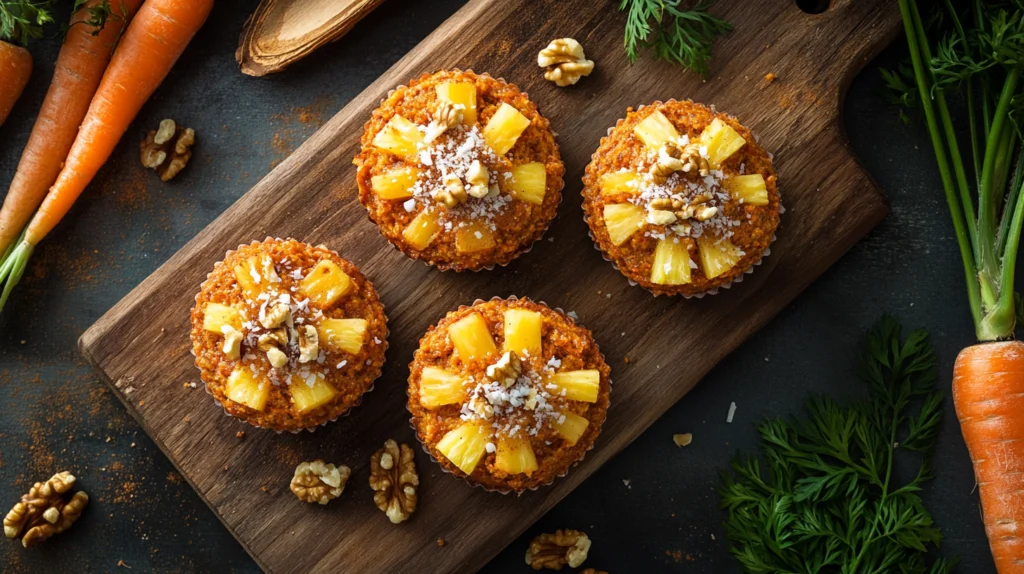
pixel 216 316
pixel 716 256
pixel 254 274
pixel 476 236
pixel 515 456
pixel 244 389
pixel 671 264
pixel 395 184
pixel 504 128
pixel 399 137
pixel 623 220
pixel 326 283
pixel 438 387
pixel 572 427
pixel 343 334
pixel 721 140
pixel 522 332
pixel 529 182
pixel 306 397
pixel 748 188
pixel 422 230
pixel 460 94
pixel 464 446
pixel 472 338
pixel 619 182
pixel 655 130
pixel 578 385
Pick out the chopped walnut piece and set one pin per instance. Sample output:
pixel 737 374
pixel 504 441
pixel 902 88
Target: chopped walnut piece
pixel 167 149
pixel 453 193
pixel 552 551
pixel 481 407
pixel 276 338
pixel 478 178
pixel 660 217
pixel 693 160
pixel 274 315
pixel 276 357
pixel 393 478
pixel 232 342
pixel 319 482
pixel 445 117
pixel 506 370
pixel 564 62
pixel 45 510
pixel 309 345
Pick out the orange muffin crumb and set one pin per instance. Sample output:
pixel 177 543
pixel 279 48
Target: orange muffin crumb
pixel 287 336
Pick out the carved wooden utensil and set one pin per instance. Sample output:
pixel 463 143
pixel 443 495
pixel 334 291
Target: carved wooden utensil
pixel 281 32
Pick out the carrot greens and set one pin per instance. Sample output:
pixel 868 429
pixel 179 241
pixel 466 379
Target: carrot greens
pixel 826 495
pixel 24 19
pixel 681 36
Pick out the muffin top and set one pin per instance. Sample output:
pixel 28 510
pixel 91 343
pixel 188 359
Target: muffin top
pixel 681 198
pixel 459 170
pixel 508 393
pixel 287 336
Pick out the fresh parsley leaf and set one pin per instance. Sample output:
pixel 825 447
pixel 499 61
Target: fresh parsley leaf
pixel 827 497
pixel 684 37
pixel 24 19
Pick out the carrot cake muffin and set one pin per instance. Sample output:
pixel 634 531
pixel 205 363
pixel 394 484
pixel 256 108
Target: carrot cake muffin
pixel 460 170
pixel 508 394
pixel 287 336
pixel 681 198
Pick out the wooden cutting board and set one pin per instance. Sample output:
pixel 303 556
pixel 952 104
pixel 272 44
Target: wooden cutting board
pixel 141 346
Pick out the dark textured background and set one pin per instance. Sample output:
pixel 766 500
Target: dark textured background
pixel 651 509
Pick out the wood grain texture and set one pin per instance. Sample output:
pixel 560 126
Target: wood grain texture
pixel 141 345
pixel 281 32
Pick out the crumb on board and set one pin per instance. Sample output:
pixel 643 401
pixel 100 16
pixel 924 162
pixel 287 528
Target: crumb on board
pixel 441 541
pixel 767 81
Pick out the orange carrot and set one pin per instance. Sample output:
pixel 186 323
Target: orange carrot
pixel 15 69
pixel 149 48
pixel 988 392
pixel 80 65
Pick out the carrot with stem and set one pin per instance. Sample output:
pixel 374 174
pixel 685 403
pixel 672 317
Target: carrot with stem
pixel 88 45
pixel 19 21
pixel 981 56
pixel 151 45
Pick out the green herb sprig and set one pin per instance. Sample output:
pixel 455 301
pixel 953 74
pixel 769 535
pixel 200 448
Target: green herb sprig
pixel 684 37
pixel 826 495
pixel 21 20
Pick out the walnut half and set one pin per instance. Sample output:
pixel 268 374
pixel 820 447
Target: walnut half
pixel 319 482
pixel 393 478
pixel 552 551
pixel 564 62
pixel 46 510
pixel 167 149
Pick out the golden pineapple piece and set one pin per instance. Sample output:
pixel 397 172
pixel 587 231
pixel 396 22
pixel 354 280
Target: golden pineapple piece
pixel 438 387
pixel 399 137
pixel 310 393
pixel 475 236
pixel 522 332
pixel 504 128
pixel 572 427
pixel 577 385
pixel 255 275
pixel 342 334
pixel 464 446
pixel 750 188
pixel 515 456
pixel 671 264
pixel 460 94
pixel 244 388
pixel 721 140
pixel 422 230
pixel 326 283
pixel 716 256
pixel 619 182
pixel 472 338
pixel 655 130
pixel 623 220
pixel 529 182
pixel 395 184
pixel 216 316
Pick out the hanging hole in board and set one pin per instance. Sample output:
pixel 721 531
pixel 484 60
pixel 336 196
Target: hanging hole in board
pixel 813 6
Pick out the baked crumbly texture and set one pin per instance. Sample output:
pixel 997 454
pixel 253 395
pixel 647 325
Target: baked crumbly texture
pixel 508 394
pixel 287 336
pixel 460 170
pixel 681 198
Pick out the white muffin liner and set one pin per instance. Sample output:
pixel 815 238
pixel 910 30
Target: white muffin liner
pixel 467 479
pixel 346 412
pixel 521 252
pixel 713 291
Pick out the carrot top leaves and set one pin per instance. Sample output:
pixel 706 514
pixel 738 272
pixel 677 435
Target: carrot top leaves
pixel 683 37
pixel 826 495
pixel 24 19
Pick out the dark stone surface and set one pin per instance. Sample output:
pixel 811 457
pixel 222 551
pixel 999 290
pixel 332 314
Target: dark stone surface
pixel 650 509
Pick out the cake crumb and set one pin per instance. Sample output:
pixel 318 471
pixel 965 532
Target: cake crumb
pixel 441 541
pixel 240 434
pixel 122 564
pixel 767 81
